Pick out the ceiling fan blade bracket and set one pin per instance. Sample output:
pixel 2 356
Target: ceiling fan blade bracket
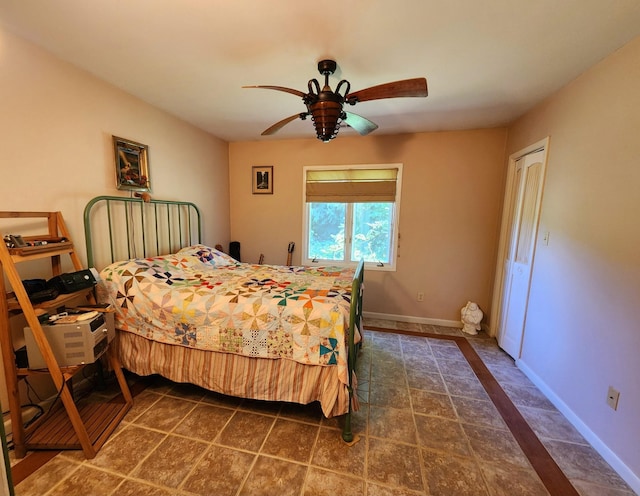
pixel 347 88
pixel 314 87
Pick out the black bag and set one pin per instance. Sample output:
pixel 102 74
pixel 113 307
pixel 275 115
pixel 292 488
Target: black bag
pixel 38 290
pixel 234 250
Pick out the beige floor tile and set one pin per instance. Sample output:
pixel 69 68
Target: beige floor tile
pixel 270 477
pixel 481 412
pixel 425 427
pixel 495 446
pixel 450 366
pixel 429 380
pixel 590 489
pixel 165 414
pixel 333 454
pixel 220 471
pixel 465 386
pixel 383 394
pixel 430 403
pixel 583 463
pixel 451 475
pixel 46 477
pixel 527 396
pixel 86 481
pixel 143 401
pixel 324 483
pixel 125 450
pixel 551 425
pixel 511 481
pixel 135 488
pixel 246 431
pixel 374 489
pixel 204 422
pixel 394 464
pixel 171 461
pixel 442 435
pixel 392 424
pixel 291 440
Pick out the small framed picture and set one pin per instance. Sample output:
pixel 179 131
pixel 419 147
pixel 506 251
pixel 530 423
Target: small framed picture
pixel 132 165
pixel 262 182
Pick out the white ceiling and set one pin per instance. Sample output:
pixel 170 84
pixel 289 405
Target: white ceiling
pixel 486 61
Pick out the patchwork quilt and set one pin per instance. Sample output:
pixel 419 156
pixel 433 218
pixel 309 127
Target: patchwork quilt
pixel 202 298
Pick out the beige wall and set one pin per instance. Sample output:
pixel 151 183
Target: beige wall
pixel 582 331
pixel 451 200
pixel 56 124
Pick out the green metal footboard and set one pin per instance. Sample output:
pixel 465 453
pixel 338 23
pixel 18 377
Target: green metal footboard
pixel 355 319
pixel 138 229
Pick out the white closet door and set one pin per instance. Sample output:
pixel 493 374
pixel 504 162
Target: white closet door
pixel 528 182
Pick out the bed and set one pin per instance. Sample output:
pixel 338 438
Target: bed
pixel 193 314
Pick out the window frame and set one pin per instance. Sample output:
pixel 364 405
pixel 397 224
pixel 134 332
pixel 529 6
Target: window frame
pixel 395 234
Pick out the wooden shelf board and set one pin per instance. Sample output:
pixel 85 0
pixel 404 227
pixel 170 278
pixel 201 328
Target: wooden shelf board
pixel 68 372
pixel 56 432
pixel 58 301
pixel 49 250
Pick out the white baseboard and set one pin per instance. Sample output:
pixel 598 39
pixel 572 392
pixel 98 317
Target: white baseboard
pixel 612 459
pixel 413 320
pixel 421 320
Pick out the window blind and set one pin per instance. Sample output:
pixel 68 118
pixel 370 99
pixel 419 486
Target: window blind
pixel 351 185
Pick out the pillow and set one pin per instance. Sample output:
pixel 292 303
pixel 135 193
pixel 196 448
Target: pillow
pixel 208 255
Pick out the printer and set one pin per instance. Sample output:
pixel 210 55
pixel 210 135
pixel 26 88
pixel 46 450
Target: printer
pixel 74 343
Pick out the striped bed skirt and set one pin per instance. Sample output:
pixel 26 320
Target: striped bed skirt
pixel 236 375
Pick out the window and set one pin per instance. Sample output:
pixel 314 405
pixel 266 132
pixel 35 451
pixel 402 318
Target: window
pixel 351 213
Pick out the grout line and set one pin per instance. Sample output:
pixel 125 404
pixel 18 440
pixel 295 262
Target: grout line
pixel 530 444
pixel 543 463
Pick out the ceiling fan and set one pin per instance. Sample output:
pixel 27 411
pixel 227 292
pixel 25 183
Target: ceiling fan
pixel 326 106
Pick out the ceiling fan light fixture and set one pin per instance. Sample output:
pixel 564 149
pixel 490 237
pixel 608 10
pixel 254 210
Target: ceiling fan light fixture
pixel 327 115
pixel 325 106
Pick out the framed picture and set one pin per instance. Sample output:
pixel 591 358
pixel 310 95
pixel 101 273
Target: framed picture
pixel 262 180
pixel 132 165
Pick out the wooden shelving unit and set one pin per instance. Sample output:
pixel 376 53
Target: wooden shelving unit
pixel 87 426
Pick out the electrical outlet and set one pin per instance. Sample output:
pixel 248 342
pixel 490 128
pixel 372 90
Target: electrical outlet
pixel 613 396
pixel 420 296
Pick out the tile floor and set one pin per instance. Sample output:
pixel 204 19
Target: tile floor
pixel 426 427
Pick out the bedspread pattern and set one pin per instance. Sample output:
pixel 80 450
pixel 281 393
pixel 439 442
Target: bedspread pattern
pixel 203 299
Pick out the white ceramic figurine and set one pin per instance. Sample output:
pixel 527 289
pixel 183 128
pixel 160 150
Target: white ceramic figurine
pixel 471 316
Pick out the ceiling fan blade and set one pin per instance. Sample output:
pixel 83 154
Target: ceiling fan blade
pixel 279 125
pixel 280 88
pixel 404 88
pixel 361 124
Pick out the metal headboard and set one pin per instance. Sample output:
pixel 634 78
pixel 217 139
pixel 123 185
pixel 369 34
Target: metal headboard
pixel 121 228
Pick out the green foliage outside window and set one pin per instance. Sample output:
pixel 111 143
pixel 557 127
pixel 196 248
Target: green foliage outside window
pixel 371 232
